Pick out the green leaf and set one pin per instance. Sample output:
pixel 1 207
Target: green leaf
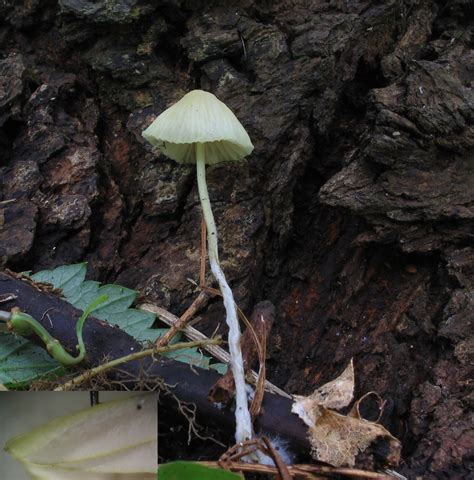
pixel 220 368
pixel 68 277
pixel 85 294
pixel 135 322
pixel 119 299
pixel 190 355
pixel 116 310
pixel 193 471
pixel 22 362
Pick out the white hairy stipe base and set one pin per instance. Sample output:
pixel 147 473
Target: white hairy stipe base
pixel 242 415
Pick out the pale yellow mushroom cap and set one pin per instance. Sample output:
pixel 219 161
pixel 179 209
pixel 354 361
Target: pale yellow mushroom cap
pixel 199 117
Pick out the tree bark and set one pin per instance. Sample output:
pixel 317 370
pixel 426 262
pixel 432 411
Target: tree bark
pixel 354 215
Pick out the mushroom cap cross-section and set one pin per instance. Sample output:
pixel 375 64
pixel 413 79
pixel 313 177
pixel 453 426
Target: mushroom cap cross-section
pixel 199 117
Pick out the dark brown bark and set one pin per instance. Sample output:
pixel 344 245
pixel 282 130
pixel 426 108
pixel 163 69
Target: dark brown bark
pixel 354 215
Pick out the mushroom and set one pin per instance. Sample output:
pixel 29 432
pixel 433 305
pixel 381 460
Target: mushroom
pixel 201 129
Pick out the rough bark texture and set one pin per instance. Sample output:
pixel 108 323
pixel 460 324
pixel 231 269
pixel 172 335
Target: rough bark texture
pixel 354 215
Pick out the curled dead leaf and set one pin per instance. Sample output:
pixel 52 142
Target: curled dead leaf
pixel 338 439
pixel 335 394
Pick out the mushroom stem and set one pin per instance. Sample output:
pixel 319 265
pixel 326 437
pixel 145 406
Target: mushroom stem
pixel 242 415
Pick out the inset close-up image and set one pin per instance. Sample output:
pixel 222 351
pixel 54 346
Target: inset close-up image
pixel 78 436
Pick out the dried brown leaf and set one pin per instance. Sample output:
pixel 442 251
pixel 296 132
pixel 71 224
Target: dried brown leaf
pixel 338 439
pixel 335 394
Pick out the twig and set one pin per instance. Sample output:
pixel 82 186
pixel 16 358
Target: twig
pixel 6 297
pixel 194 334
pixel 260 386
pixel 242 39
pixel 198 303
pixel 394 474
pixel 345 471
pixel 133 356
pixel 303 471
pixel 239 450
pixel 279 463
pixel 356 406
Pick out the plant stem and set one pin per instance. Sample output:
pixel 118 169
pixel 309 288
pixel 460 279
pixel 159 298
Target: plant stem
pixel 25 325
pixel 242 414
pixel 93 372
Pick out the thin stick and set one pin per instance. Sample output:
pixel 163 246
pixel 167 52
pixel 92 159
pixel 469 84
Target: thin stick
pixel 260 387
pixel 93 372
pixel 239 450
pixel 198 303
pixel 348 472
pixel 194 334
pixel 279 463
pixel 302 470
